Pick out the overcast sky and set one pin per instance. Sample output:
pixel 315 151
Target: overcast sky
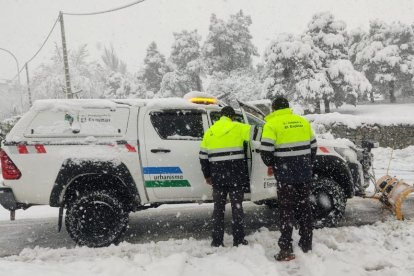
pixel 25 23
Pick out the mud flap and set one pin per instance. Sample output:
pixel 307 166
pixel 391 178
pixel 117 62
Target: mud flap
pixel 262 181
pixel 392 193
pixel 60 218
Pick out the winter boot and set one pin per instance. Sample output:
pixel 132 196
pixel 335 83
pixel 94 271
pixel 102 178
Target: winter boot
pixel 217 244
pixel 305 248
pixel 285 255
pixel 242 242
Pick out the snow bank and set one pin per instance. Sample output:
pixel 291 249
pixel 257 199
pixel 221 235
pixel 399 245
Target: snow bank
pixel 379 249
pixel 402 160
pixel 378 114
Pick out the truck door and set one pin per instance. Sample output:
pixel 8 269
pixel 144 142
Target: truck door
pixel 172 169
pixel 262 181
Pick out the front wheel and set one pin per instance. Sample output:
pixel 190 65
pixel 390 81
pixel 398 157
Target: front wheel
pixel 328 202
pixel 97 219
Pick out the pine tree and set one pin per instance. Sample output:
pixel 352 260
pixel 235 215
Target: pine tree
pixel 154 68
pixel 292 69
pixel 186 61
pixel 123 86
pixel 386 55
pixel 330 37
pixel 244 85
pixel 112 62
pixel 228 45
pixel 175 84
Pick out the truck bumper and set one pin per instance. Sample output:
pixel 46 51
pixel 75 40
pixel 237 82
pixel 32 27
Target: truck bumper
pixel 7 199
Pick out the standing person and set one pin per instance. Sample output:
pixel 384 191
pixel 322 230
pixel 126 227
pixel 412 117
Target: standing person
pixel 224 166
pixel 288 145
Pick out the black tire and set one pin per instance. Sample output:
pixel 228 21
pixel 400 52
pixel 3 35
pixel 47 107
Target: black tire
pixel 96 219
pixel 328 202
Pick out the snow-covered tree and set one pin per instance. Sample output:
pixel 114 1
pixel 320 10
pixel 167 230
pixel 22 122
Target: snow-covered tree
pixel 154 68
pixel 228 45
pixel 386 55
pixel 123 86
pixel 314 66
pixel 175 84
pixel 49 78
pixel 187 66
pixel 244 85
pixel 112 62
pixel 330 37
pixel 292 69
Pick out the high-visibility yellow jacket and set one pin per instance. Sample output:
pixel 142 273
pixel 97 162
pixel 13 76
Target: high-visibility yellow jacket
pixel 222 151
pixel 289 145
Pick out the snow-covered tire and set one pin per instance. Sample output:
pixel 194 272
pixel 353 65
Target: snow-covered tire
pixel 328 202
pixel 96 219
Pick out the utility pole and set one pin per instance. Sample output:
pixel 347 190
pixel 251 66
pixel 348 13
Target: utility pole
pixel 28 84
pixel 69 94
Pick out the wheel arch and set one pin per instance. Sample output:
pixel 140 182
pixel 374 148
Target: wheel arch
pixel 75 177
pixel 335 168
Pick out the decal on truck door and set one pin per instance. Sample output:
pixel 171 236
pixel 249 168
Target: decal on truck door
pixel 165 177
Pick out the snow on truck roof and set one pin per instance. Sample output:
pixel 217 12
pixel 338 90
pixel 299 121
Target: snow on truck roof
pixel 71 105
pixel 67 105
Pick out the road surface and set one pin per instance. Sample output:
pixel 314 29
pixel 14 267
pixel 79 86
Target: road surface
pixel 174 222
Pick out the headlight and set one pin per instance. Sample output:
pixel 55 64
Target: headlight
pixel 348 154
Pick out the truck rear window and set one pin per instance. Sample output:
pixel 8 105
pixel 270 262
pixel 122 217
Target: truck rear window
pixel 86 122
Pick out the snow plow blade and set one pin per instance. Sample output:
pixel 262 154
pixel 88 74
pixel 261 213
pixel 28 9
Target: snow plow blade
pixel 392 192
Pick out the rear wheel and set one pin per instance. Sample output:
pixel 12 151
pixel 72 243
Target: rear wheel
pixel 328 202
pixel 97 219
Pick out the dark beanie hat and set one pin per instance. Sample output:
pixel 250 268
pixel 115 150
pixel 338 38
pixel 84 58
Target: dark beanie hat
pixel 280 103
pixel 228 111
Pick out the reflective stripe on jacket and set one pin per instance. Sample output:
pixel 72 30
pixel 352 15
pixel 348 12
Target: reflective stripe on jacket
pixel 289 146
pixel 222 146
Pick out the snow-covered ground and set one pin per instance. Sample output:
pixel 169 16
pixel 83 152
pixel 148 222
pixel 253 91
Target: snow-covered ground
pixel 399 161
pixel 384 248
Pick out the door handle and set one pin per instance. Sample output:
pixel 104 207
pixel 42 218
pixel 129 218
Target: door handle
pixel 160 150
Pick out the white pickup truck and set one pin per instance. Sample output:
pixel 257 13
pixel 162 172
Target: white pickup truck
pixel 101 159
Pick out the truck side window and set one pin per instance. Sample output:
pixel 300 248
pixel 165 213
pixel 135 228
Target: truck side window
pixel 88 121
pixel 178 124
pixel 251 120
pixel 215 116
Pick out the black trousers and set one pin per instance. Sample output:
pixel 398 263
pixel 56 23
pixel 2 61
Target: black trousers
pixel 294 203
pixel 236 200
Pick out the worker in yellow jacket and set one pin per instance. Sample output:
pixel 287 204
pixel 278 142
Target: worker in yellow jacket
pixel 288 145
pixel 224 165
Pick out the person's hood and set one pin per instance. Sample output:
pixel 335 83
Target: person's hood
pixel 222 126
pixel 280 112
